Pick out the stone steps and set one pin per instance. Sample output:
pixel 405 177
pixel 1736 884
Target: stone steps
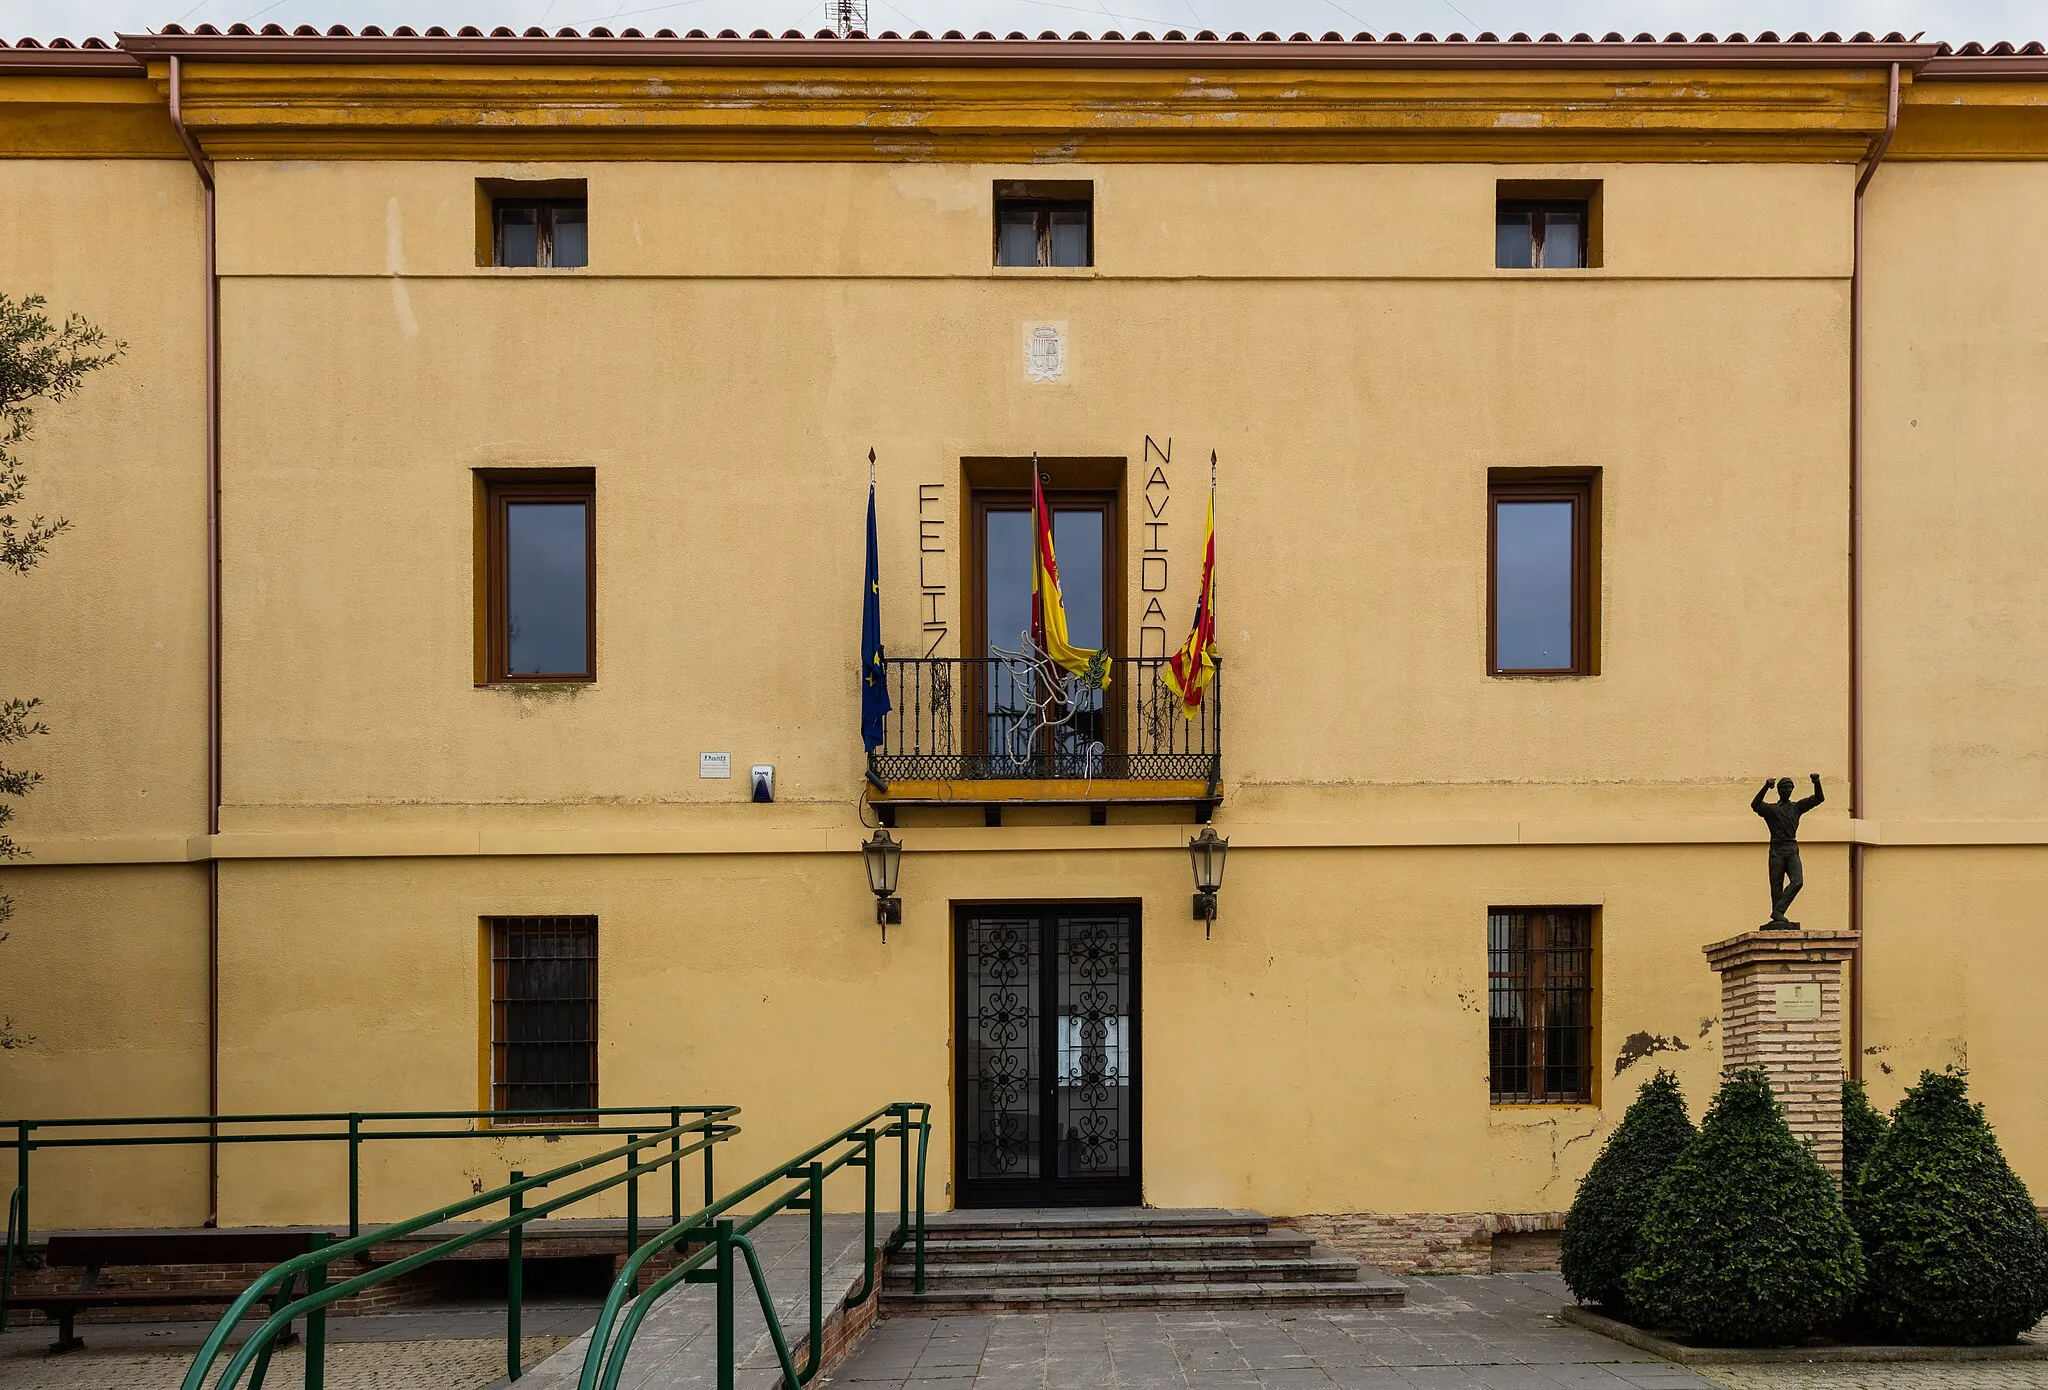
pixel 1126 1257
pixel 1000 1250
pixel 1051 1273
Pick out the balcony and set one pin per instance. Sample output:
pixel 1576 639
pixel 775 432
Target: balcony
pixel 999 731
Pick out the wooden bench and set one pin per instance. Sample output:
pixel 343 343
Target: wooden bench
pixel 92 1252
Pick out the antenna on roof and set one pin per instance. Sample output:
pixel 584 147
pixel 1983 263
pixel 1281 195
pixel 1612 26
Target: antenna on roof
pixel 848 16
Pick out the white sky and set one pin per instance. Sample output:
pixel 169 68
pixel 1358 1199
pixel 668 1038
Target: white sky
pixel 1955 20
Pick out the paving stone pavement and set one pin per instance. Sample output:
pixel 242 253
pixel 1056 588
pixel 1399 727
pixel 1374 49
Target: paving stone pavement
pixel 1498 1332
pixel 676 1348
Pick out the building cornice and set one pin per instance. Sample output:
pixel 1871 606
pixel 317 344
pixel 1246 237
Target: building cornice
pixel 257 110
pixel 1981 117
pixel 80 112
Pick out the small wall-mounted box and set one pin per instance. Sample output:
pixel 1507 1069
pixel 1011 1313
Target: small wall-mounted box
pixel 764 782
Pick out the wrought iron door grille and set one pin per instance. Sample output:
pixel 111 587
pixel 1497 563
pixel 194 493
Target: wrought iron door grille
pixel 1094 1022
pixel 963 719
pixel 1539 966
pixel 1048 1038
pixel 1003 1047
pixel 544 1016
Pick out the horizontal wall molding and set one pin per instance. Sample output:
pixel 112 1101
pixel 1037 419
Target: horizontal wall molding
pixel 1293 835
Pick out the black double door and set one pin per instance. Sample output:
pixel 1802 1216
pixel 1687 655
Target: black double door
pixel 1047 1033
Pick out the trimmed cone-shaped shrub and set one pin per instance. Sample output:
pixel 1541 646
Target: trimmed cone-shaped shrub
pixel 1746 1243
pixel 1863 1124
pixel 1600 1230
pixel 1956 1250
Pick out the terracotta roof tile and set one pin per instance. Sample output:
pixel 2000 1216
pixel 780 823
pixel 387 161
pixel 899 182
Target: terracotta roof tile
pixel 1205 45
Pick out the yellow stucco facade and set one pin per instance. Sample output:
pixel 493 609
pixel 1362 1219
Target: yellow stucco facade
pixel 1303 285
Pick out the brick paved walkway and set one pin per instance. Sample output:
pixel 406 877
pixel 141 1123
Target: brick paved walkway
pixel 1473 1333
pixel 440 1365
pixel 1980 1375
pixel 444 1348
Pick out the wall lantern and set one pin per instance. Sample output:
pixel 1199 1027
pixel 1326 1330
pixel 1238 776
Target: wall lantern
pixel 1207 850
pixel 883 856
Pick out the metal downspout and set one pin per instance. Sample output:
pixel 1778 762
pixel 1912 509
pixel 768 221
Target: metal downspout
pixel 204 168
pixel 1856 849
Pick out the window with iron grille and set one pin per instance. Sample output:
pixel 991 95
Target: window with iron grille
pixel 1539 966
pixel 544 1016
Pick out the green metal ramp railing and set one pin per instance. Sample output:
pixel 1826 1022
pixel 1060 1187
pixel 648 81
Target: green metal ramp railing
pixel 611 1342
pixel 356 1129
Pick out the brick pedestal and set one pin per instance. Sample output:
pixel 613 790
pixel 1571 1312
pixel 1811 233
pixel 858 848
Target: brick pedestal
pixel 1781 1014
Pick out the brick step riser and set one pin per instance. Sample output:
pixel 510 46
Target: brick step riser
pixel 1036 1251
pixel 1264 1297
pixel 1002 1277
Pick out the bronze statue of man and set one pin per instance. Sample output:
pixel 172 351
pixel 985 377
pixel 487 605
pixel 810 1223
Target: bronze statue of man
pixel 1782 816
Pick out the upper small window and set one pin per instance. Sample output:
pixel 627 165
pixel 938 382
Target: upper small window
pixel 1546 225
pixel 545 224
pixel 1541 581
pixel 539 573
pixel 1045 223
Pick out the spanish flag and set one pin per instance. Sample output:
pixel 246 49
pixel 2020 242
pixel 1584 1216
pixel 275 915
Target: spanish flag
pixel 1194 665
pixel 1048 609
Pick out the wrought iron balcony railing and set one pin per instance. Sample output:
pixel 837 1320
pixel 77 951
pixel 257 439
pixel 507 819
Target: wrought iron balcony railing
pixel 1015 719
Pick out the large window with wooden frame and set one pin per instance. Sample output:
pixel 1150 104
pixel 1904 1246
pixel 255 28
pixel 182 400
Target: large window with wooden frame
pixel 1541 582
pixel 543 1019
pixel 1086 540
pixel 538 572
pixel 1540 996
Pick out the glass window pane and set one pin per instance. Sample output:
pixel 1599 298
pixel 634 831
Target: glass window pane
pixel 1016 237
pixel 1077 544
pixel 1007 557
pixel 1564 243
pixel 1006 619
pixel 546 582
pixel 1070 236
pixel 572 238
pixel 518 236
pixel 1512 247
pixel 1532 585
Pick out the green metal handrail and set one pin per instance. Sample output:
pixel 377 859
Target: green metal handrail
pixel 611 1342
pixel 356 1127
pixel 17 1211
pixel 713 1126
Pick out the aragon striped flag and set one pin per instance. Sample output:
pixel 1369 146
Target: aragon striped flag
pixel 1194 665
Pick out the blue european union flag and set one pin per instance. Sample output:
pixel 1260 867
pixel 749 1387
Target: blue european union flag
pixel 874 676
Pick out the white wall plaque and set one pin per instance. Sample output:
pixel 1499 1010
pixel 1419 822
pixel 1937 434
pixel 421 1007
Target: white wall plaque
pixel 714 764
pixel 1797 1001
pixel 1045 351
